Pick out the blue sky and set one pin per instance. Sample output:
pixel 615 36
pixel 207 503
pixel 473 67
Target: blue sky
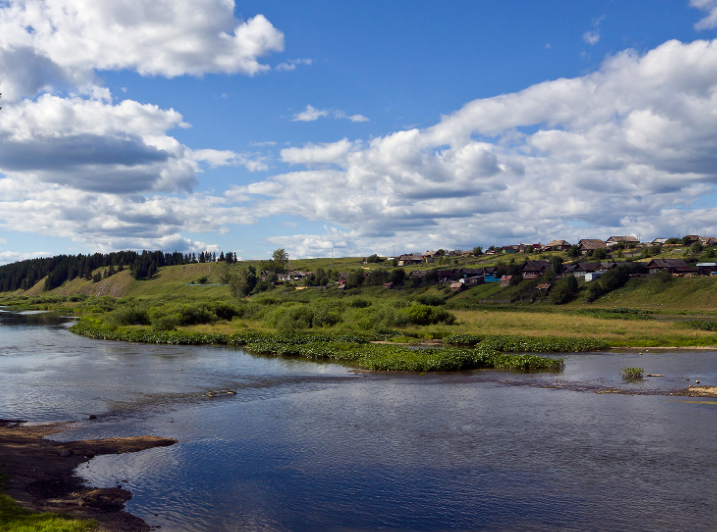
pixel 361 127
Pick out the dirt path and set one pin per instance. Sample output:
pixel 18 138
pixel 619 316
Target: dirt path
pixel 40 473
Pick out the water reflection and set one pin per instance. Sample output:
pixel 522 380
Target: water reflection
pixel 304 446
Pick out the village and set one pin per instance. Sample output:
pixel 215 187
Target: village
pixel 586 260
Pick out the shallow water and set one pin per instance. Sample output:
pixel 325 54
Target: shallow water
pixel 306 446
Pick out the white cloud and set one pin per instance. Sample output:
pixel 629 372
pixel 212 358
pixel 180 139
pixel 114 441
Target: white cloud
pixel 46 42
pixel 291 64
pixel 591 37
pixel 353 118
pixel 629 148
pixel 6 257
pixel 310 114
pixel 264 143
pixel 710 21
pixel 312 154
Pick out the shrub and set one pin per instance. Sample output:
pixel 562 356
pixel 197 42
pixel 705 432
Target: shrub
pixel 462 339
pixel 431 300
pixel 425 315
pixel 633 374
pixel 702 325
pixel 128 316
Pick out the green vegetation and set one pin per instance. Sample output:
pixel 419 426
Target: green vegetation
pixel 633 374
pixel 14 518
pixel 702 325
pixel 617 313
pixel 355 348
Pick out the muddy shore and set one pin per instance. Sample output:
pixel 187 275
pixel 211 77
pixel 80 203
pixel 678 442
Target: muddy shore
pixel 40 473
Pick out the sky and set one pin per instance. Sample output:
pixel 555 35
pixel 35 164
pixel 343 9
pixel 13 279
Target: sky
pixel 353 128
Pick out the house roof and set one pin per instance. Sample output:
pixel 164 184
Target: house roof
pixel 592 243
pixel 622 239
pixel 535 266
pixel 545 286
pixel 588 267
pixel 668 264
pixel 558 243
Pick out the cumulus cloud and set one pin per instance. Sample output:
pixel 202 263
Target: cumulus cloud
pixel 292 63
pixel 591 37
pixel 44 42
pixel 626 149
pixel 710 21
pixel 6 257
pixel 311 114
pixel 92 144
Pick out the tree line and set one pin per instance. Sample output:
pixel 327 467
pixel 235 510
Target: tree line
pixel 62 268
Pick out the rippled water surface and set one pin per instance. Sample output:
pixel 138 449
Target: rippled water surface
pixel 306 446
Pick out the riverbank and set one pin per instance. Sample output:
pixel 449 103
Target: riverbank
pixel 40 474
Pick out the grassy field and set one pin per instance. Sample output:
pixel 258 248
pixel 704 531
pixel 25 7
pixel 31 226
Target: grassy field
pixel 14 518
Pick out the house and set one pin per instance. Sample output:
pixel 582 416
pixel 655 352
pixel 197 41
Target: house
pixel 614 240
pixel 568 269
pixel 605 266
pixel 707 268
pixel 676 267
pixel 659 242
pixel 708 241
pixel 505 281
pixel 388 285
pixel 471 281
pixel 592 276
pixel 532 269
pixel 489 274
pixel 544 287
pixel 410 260
pixel 591 244
pixel 456 286
pixel 691 239
pixel 583 268
pixel 417 274
pixel 293 276
pixel 558 245
pixel 510 249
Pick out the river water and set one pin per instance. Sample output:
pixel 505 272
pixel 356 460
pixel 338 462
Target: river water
pixel 306 446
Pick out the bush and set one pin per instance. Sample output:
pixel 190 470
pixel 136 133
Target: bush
pixel 431 300
pixel 425 315
pixel 702 325
pixel 633 374
pixel 128 316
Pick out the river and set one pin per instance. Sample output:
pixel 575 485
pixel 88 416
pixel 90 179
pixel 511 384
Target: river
pixel 308 446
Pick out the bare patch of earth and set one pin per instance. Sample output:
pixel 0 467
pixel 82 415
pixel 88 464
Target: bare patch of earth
pixel 41 473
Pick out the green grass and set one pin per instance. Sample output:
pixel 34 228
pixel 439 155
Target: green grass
pixel 14 518
pixel 633 374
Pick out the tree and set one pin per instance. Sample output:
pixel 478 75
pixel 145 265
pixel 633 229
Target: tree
pixel 280 256
pixel 697 248
pixel 600 253
pixel 574 251
pixel 564 291
pixel 243 283
pixel 478 251
pixel 686 240
pixel 557 265
pixel 355 279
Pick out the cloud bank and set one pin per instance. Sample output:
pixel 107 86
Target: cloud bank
pixel 627 149
pixel 78 165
